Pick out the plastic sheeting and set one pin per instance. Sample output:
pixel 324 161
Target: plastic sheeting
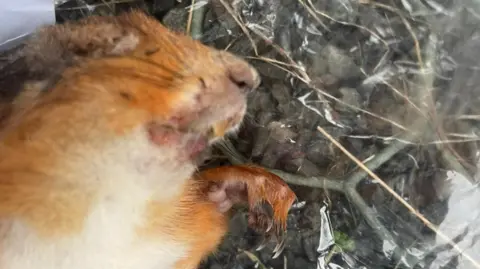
pixel 394 83
pixel 19 18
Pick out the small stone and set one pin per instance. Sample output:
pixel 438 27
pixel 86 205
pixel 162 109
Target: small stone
pixel 293 219
pixel 263 117
pixel 304 138
pixel 216 266
pixel 356 144
pixel 270 155
pixel 243 145
pixel 293 242
pixel 329 81
pixel 176 19
pixel 351 97
pixel 238 225
pixel 291 110
pixel 339 63
pixel 291 259
pixel 286 109
pixel 319 63
pixel 281 132
pixel 311 213
pixel 304 264
pixel 236 266
pixel 310 118
pixel 243 259
pixel 260 101
pixel 221 14
pixel 268 70
pixel 277 262
pixel 319 66
pixel 261 140
pixel 266 254
pixel 277 153
pixel 318 152
pixel 309 246
pixel 301 166
pixel 281 93
pixel 161 6
pixel 342 10
pixel 308 168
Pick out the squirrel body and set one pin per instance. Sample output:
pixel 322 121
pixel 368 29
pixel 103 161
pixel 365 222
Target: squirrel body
pixel 97 158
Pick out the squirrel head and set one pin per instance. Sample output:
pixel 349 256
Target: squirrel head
pixel 128 74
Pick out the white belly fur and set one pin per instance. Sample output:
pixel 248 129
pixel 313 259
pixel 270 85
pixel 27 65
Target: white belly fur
pixel 108 242
pixel 129 178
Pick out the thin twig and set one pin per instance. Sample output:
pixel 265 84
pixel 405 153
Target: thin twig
pixel 325 183
pixel 467 139
pixel 351 192
pixel 95 5
pixel 240 24
pixel 386 7
pixel 314 15
pixel 448 153
pixel 398 125
pixel 301 75
pixel 323 93
pixel 405 97
pixel 315 182
pixel 380 159
pixel 400 199
pixel 195 19
pixel 312 7
pixel 190 16
pixel 466 117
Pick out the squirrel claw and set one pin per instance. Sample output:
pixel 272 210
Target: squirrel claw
pixel 270 199
pixel 270 225
pixel 279 248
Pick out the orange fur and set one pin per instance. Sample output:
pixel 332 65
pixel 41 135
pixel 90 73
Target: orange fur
pixel 76 157
pixel 195 219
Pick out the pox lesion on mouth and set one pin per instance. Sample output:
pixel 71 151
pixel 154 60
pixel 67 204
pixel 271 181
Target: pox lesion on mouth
pixel 190 142
pixel 195 128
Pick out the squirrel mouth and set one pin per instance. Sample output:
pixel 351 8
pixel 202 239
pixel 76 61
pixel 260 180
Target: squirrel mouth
pixel 213 134
pixel 192 142
pixel 221 128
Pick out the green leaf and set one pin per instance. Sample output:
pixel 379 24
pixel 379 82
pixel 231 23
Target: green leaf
pixel 343 241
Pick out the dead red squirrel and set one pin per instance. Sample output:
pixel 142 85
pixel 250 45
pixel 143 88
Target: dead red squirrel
pixel 97 162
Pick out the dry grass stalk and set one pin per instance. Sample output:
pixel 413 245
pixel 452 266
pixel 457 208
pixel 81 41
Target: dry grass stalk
pixel 313 11
pixel 431 111
pixel 399 198
pixel 190 16
pixel 300 74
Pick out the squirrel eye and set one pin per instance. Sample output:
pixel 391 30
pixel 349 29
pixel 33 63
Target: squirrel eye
pixel 202 82
pixel 126 96
pixel 151 51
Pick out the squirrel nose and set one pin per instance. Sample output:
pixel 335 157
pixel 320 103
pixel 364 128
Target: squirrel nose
pixel 241 73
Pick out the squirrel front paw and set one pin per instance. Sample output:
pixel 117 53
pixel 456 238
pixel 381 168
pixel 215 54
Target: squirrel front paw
pixel 269 198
